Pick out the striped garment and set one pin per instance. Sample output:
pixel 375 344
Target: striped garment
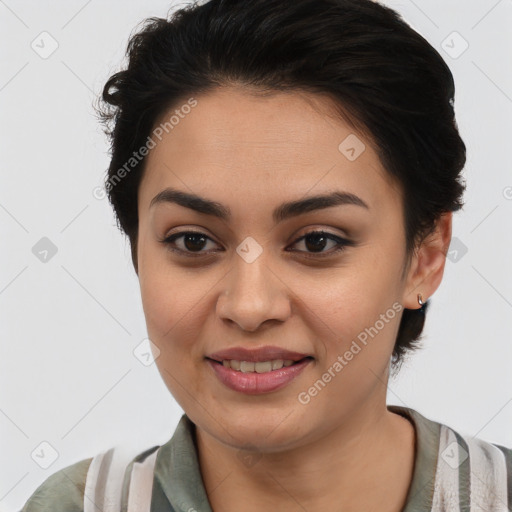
pixel 452 473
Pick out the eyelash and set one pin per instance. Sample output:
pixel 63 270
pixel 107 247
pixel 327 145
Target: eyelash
pixel 343 243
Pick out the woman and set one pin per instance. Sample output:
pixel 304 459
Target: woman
pixel 286 173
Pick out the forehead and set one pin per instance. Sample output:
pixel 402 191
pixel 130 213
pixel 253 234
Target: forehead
pixel 287 143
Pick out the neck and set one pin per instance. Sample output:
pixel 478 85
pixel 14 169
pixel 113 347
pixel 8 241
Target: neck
pixel 365 463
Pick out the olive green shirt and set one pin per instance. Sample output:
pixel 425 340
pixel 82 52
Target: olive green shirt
pixel 452 472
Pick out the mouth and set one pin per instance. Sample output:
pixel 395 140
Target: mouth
pixel 271 365
pixel 258 377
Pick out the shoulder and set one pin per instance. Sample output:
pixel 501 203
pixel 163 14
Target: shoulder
pixel 457 448
pixel 480 471
pixel 455 470
pixel 63 491
pixel 485 458
pixel 104 478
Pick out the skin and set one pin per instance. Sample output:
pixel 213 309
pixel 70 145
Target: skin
pixel 249 153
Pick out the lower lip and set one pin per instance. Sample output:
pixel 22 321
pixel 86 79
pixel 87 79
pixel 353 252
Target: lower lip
pixel 253 383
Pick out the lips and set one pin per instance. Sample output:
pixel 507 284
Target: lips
pixel 267 353
pixel 254 383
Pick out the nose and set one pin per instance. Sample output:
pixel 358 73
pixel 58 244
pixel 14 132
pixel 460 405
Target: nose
pixel 253 294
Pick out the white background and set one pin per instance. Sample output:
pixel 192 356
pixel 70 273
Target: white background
pixel 69 326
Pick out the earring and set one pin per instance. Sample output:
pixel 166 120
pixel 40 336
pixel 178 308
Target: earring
pixel 420 300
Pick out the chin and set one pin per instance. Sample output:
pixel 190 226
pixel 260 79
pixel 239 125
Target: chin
pixel 267 431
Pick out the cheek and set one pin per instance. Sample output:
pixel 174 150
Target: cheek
pixel 354 329
pixel 174 301
pixel 165 301
pixel 344 315
pixel 356 302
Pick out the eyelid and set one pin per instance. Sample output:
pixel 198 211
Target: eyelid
pixel 169 239
pixel 342 243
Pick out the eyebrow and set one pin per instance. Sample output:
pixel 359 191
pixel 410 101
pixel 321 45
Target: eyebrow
pixel 281 213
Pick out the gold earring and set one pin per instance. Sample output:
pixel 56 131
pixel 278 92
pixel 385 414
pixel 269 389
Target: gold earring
pixel 420 300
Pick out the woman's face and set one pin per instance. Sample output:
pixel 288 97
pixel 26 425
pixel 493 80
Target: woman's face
pixel 250 280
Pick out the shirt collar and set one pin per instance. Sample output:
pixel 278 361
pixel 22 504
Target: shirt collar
pixel 177 465
pixel 421 489
pixel 177 469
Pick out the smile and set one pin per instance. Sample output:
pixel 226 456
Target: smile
pixel 257 377
pixel 258 367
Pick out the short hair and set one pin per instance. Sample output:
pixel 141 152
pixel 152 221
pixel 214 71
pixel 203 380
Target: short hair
pixel 386 81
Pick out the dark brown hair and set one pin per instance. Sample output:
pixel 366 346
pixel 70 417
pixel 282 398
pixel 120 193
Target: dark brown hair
pixel 386 79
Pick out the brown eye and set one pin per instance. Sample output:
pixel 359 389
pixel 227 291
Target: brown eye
pixel 192 243
pixel 316 241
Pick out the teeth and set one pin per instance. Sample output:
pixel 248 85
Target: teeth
pixel 246 366
pixel 259 367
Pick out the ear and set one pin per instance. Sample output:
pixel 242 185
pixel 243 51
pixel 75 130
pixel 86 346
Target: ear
pixel 427 264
